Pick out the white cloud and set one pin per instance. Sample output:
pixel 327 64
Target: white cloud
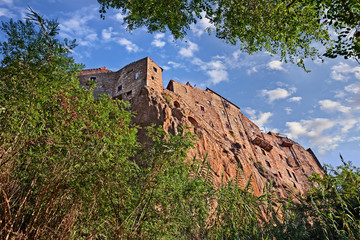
pixel 175 64
pixel 236 54
pixel 77 26
pixel 314 131
pixel 276 65
pixel 353 88
pixel 201 25
pixel 354 139
pixel 340 94
pixel 217 75
pixel 157 42
pixel 107 33
pixel 295 99
pixel 4 12
pixel 130 47
pixel 347 123
pixel 189 50
pixel 278 93
pixel 330 106
pixel 215 69
pixel 259 118
pixel 119 17
pixel 288 110
pixel 342 71
pixel 166 68
pixel 6 2
pixel 251 70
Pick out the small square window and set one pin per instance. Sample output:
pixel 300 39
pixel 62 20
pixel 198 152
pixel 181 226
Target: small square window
pixel 152 77
pixel 128 94
pixel 137 75
pixel 267 163
pixel 223 112
pixel 209 102
pixel 155 69
pixel 119 88
pixel 202 108
pixel 91 81
pixel 235 119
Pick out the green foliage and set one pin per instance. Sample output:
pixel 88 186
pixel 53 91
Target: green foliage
pixel 288 28
pixel 335 202
pixel 344 17
pixel 60 149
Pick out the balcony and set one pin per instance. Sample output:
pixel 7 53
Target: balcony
pixel 257 140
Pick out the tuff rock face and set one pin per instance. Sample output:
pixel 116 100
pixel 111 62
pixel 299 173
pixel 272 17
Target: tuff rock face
pixel 228 138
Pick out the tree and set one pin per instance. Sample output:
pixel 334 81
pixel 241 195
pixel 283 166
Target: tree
pixel 64 157
pixel 288 28
pixel 68 162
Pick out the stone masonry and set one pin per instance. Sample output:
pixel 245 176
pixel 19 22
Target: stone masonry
pixel 228 139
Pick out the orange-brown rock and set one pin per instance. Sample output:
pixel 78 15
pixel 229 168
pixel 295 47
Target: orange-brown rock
pixel 227 137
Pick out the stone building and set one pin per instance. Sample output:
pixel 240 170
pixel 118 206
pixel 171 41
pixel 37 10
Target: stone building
pixel 228 138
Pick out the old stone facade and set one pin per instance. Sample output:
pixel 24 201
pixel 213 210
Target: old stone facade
pixel 227 137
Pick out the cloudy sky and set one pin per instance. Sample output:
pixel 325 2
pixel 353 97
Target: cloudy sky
pixel 320 109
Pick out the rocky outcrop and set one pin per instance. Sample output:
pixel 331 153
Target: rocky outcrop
pixel 229 140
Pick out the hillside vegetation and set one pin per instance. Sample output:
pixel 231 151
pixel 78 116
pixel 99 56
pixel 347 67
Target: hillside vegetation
pixel 71 167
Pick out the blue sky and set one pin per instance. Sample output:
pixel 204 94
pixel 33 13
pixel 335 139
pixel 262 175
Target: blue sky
pixel 320 109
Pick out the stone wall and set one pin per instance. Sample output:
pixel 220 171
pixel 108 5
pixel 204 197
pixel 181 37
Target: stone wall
pixel 127 82
pixel 230 141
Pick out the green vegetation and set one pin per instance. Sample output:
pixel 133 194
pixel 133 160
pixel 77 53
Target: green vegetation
pixel 288 28
pixel 72 167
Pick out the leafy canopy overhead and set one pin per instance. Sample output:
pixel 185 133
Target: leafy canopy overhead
pixel 288 28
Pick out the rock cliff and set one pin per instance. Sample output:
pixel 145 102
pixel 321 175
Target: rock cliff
pixel 229 139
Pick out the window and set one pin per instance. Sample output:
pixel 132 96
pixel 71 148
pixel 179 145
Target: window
pixel 177 104
pixel 280 174
pixel 281 156
pixel 202 108
pixel 241 134
pixel 294 176
pixel 235 119
pixel 119 88
pixel 226 104
pixel 209 102
pixel 91 81
pixel 152 77
pixel 211 124
pixel 137 75
pixel 227 126
pixel 267 163
pixel 252 126
pixel 128 94
pixel 263 152
pixel 223 112
pixel 288 173
pixel 236 146
pixel 155 69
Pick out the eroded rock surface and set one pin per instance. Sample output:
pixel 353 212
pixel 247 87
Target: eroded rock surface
pixel 228 138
